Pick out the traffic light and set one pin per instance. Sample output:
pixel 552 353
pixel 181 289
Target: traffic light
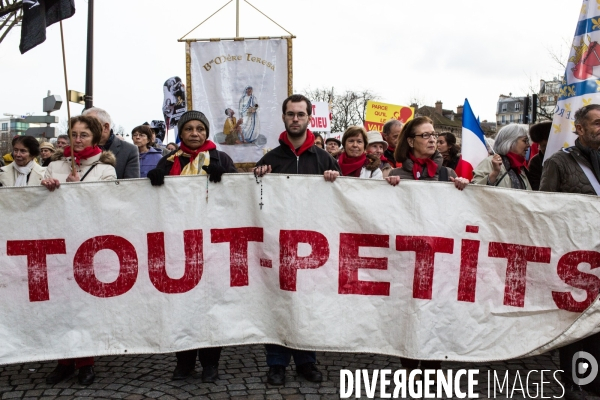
pixel 526 110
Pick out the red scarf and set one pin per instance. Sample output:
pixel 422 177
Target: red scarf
pixel 384 159
pixel 176 168
pixel 517 162
pixel 419 163
pixel 351 166
pixel 84 154
pixel 308 143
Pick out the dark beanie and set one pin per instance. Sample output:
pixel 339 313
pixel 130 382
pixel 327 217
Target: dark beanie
pixel 191 116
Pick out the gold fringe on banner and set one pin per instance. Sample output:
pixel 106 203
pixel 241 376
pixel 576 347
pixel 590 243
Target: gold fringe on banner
pixel 188 76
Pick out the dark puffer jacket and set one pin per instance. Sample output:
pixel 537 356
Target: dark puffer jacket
pixel 562 173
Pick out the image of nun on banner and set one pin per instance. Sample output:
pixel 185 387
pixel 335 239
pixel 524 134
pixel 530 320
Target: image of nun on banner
pixel 248 107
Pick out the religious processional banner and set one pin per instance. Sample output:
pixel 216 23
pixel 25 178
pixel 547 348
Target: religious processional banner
pixel 240 86
pixel 420 270
pixel 581 82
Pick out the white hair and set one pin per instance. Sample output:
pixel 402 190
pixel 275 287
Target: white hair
pixel 101 114
pixel 508 136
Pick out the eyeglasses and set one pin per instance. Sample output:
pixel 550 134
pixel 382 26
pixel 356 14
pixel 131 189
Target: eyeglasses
pixel 300 115
pixel 83 136
pixel 427 135
pixel 137 134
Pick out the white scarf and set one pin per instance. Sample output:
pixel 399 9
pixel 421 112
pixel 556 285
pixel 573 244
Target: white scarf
pixel 22 173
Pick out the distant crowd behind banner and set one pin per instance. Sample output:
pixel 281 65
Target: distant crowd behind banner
pixel 470 282
pixel 240 86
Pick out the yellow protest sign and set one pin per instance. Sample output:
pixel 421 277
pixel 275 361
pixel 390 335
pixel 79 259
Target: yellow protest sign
pixel 379 113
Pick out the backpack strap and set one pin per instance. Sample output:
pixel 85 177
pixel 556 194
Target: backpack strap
pixel 88 171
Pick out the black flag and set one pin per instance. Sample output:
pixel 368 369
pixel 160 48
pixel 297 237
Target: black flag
pixel 37 15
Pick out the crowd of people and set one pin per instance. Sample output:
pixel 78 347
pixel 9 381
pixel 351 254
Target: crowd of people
pixel 411 151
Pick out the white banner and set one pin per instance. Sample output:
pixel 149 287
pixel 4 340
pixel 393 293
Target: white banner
pixel 420 270
pixel 240 87
pixel 320 120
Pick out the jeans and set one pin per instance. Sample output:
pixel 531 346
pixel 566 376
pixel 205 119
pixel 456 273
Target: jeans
pixel 279 355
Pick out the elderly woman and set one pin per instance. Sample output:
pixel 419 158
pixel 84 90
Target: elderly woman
pixel 377 146
pixel 46 151
pixel 417 151
pixel 23 171
pixel 149 155
pixel 420 160
pixel 196 156
pixel 506 168
pixel 354 161
pixel 91 164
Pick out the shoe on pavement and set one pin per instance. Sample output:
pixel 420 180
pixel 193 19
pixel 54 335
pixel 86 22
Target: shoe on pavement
pixel 86 375
pixel 310 372
pixel 182 372
pixel 210 373
pixel 60 373
pixel 276 375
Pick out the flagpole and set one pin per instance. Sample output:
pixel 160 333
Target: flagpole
pixel 62 41
pixel 89 67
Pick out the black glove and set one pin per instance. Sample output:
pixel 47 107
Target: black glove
pixel 156 176
pixel 214 171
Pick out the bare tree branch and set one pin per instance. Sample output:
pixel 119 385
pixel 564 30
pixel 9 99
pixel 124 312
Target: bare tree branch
pixel 6 7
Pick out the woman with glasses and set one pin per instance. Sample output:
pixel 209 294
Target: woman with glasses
pixel 506 168
pixel 91 164
pixel 417 151
pixel 23 171
pixel 149 155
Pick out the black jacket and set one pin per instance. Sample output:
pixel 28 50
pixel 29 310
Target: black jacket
pixel 390 156
pixel 314 161
pixel 216 156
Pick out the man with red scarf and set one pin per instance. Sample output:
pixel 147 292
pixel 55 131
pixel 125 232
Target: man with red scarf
pixel 296 154
pixel 576 169
pixel 391 133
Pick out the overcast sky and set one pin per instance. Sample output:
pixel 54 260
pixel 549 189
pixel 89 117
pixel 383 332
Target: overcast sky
pixel 401 50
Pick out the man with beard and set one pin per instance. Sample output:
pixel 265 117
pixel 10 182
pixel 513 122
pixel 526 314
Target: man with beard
pixel 577 170
pixel 391 133
pixel 296 154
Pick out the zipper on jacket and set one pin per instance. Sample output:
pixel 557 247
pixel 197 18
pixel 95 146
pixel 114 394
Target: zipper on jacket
pixel 297 164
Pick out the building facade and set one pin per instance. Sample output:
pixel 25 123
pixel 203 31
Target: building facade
pixel 509 110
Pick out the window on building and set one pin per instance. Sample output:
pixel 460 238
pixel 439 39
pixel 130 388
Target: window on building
pixel 517 106
pixel 503 118
pixel 5 126
pixel 512 118
pixel 504 107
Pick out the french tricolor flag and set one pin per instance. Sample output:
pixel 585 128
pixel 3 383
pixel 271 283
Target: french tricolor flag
pixel 473 145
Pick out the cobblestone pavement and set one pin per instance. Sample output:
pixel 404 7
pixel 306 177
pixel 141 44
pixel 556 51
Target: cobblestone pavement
pixel 243 376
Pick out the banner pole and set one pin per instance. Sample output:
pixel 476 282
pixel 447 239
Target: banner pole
pixel 62 41
pixel 237 18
